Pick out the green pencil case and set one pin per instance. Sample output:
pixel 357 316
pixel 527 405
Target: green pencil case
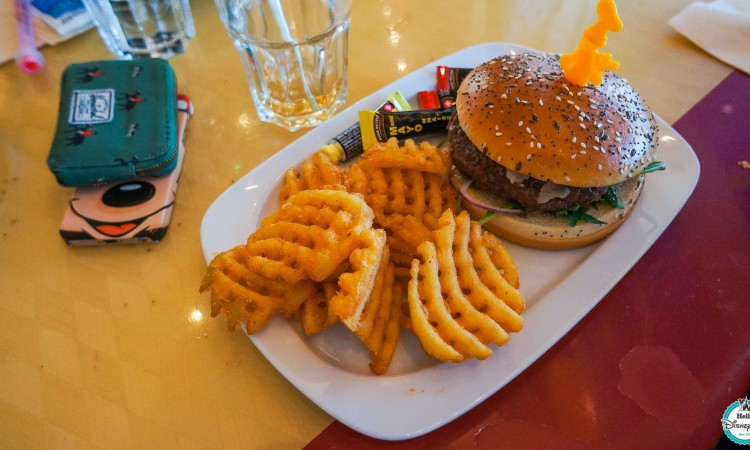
pixel 117 120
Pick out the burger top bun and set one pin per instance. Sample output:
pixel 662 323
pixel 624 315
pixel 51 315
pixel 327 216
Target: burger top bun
pixel 522 112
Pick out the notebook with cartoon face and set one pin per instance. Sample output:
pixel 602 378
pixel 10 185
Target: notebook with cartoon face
pixel 129 211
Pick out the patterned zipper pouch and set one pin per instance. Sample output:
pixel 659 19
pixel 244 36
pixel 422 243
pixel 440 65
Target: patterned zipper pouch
pixel 117 121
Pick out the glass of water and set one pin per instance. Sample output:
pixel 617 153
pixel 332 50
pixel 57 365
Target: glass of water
pixel 295 56
pixel 134 29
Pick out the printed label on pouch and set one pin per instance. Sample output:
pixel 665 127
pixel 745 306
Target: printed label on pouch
pixel 92 106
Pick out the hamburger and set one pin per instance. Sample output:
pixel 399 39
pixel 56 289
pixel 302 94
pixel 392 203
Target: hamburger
pixel 557 165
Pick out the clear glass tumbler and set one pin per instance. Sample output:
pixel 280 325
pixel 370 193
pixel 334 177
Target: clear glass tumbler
pixel 134 29
pixel 295 56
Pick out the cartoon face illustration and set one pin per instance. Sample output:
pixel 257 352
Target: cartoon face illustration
pixel 136 210
pixel 133 209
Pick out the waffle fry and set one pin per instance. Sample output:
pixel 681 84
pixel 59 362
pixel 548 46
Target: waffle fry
pixel 308 239
pixel 407 230
pixel 314 314
pixel 458 299
pixel 246 296
pixel 365 300
pixel 435 325
pixel 497 273
pixel 371 307
pixel 404 180
pixel 401 252
pixel 309 236
pixel 382 336
pixel 355 286
pixel 501 259
pixel 481 280
pixel 316 172
pixel 462 298
pixel 337 209
pixel 394 194
pixel 407 188
pixel 424 157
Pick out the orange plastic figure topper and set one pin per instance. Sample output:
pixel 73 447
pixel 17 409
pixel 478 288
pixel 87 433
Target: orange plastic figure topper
pixel 586 63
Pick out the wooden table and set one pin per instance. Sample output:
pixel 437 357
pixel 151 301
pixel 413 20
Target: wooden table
pixel 102 348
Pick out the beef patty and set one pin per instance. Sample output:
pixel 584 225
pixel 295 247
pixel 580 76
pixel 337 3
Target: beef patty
pixel 491 176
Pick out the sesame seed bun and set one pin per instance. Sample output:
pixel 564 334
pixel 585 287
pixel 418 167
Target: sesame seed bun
pixel 520 111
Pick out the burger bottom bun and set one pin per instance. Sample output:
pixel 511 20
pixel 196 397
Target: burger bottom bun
pixel 545 230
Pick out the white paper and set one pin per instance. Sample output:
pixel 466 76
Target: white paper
pixel 721 28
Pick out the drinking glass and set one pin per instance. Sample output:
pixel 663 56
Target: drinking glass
pixel 295 56
pixel 133 29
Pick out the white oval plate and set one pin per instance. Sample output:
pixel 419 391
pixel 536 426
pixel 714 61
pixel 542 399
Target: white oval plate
pixel 418 394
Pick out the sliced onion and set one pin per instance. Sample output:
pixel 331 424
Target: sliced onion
pixel 484 200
